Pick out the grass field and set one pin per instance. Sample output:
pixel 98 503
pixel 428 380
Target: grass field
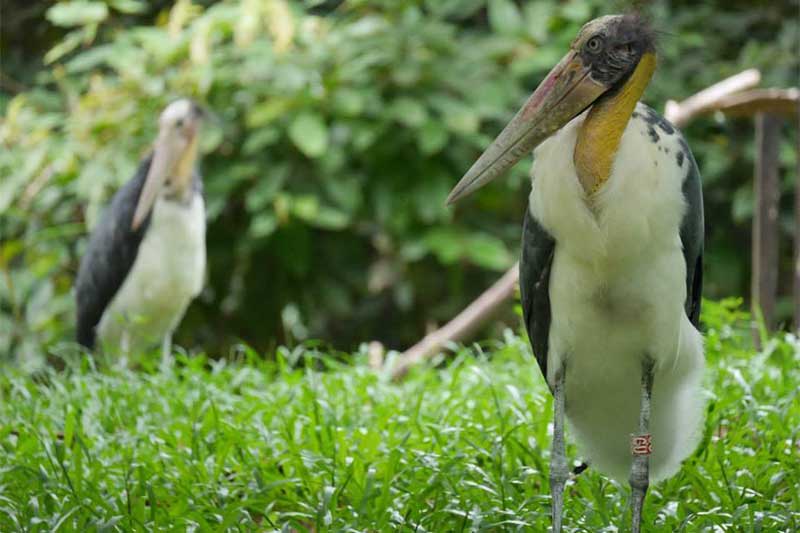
pixel 307 443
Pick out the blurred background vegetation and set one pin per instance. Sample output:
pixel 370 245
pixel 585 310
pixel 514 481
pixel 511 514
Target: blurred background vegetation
pixel 341 126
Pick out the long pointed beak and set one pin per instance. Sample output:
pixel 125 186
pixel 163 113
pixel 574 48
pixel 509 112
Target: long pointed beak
pixel 566 91
pixel 163 161
pixel 169 160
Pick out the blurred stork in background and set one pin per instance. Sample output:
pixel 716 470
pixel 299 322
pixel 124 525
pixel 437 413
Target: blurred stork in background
pixel 146 257
pixel 611 267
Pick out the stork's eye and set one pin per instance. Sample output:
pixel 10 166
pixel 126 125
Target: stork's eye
pixel 179 123
pixel 594 45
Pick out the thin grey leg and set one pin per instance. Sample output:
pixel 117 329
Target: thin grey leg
pixel 125 342
pixel 166 351
pixel 641 449
pixel 125 347
pixel 558 458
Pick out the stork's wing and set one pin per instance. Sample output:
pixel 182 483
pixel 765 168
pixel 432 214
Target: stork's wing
pixel 109 256
pixel 534 285
pixel 692 232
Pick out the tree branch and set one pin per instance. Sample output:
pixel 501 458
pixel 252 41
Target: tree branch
pixel 463 325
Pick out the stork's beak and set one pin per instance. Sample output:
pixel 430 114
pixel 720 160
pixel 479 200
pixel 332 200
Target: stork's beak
pixel 565 93
pixel 171 157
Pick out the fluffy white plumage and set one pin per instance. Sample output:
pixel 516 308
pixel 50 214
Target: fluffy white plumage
pixel 617 291
pixel 167 274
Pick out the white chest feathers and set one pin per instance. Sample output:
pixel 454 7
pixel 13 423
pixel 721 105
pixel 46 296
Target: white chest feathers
pixel 617 289
pixel 639 208
pixel 618 253
pixel 166 275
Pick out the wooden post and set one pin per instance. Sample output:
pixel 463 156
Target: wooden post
pixel 797 226
pixel 764 280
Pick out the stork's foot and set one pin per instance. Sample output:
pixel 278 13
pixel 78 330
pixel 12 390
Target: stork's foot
pixel 641 449
pixel 559 469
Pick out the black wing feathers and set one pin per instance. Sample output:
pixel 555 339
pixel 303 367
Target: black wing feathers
pixel 109 256
pixel 534 285
pixel 692 232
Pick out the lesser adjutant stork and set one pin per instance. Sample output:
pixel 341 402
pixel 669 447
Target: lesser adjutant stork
pixel 611 268
pixel 146 258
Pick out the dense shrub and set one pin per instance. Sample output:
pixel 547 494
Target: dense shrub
pixel 340 128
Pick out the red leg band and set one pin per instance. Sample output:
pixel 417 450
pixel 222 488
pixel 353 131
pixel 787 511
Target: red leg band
pixel 641 444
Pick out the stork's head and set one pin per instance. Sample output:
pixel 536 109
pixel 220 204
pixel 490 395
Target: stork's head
pixel 601 60
pixel 174 156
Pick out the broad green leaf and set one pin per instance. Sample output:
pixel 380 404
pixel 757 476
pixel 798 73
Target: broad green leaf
pixel 456 115
pixel 305 207
pixel 345 192
pixel 431 137
pixel 9 250
pixel 130 7
pixel 409 112
pixel 577 10
pixel 488 252
pixel 446 244
pixel 266 188
pixel 537 19
pixel 262 225
pixel 91 59
pixel 259 139
pixel 77 13
pixel 330 218
pixel 309 133
pixel 349 102
pixel 504 17
pixel 431 195
pixel 364 136
pixel 39 307
pixel 200 45
pixel 70 42
pixel 458 9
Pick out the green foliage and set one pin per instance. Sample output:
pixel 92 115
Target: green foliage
pixel 304 443
pixel 339 132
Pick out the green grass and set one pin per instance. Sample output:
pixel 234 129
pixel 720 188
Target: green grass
pixel 254 445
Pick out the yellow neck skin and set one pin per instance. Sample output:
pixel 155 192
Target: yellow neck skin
pixel 185 167
pixel 600 133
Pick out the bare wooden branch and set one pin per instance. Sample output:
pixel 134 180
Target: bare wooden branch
pixel 766 188
pixel 719 97
pixel 680 113
pixel 463 325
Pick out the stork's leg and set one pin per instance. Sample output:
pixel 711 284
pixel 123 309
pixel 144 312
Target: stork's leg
pixel 640 448
pixel 558 458
pixel 166 350
pixel 125 342
pixel 125 347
